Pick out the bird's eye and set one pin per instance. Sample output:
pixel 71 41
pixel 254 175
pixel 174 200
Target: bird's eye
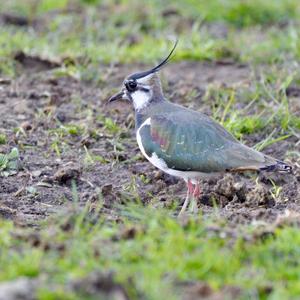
pixel 131 85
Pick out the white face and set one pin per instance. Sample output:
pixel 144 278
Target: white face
pixel 142 95
pixel 140 99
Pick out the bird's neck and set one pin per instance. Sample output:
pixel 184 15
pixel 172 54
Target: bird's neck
pixel 152 109
pixel 140 118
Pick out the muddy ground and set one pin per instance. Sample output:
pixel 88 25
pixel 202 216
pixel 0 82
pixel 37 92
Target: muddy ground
pixel 39 101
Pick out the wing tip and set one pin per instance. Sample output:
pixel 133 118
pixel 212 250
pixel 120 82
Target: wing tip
pixel 279 166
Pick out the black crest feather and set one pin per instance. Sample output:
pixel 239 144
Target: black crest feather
pixel 156 68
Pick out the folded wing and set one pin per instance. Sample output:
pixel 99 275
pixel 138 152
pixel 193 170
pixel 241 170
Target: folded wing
pixel 190 141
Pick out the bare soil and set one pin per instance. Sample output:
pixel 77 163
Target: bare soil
pixel 38 102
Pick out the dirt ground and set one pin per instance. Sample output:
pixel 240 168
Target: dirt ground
pixel 38 102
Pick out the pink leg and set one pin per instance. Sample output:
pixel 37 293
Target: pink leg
pixel 197 191
pixel 190 187
pixel 190 192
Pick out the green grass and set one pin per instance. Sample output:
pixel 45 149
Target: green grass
pixel 155 257
pixel 9 162
pixel 260 106
pixel 128 35
pixel 242 13
pixel 237 13
pixel 3 139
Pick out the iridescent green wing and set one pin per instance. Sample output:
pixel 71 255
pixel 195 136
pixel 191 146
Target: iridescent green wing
pixel 191 141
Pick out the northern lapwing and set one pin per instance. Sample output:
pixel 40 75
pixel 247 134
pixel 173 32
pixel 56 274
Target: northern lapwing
pixel 182 142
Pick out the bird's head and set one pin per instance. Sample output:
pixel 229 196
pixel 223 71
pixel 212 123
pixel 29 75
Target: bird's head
pixel 144 87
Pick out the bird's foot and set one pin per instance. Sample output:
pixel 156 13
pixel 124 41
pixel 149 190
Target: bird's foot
pixel 190 191
pixel 185 205
pixel 196 194
pixel 193 206
pixel 193 193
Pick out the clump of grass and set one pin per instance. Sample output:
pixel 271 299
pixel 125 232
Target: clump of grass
pixel 261 108
pixel 236 121
pixel 73 129
pixel 61 135
pixel 90 158
pixel 3 139
pixel 67 130
pixel 239 125
pixel 9 163
pixel 111 126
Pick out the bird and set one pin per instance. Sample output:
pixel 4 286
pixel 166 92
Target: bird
pixel 185 143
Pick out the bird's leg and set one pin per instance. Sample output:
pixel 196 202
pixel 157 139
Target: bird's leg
pixel 190 191
pixel 197 190
pixel 196 195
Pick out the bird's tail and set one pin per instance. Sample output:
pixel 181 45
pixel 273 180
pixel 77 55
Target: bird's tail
pixel 279 166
